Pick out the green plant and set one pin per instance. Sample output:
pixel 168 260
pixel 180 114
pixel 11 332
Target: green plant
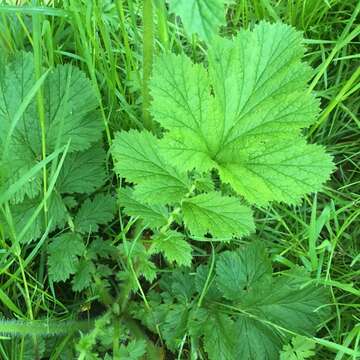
pixel 72 127
pixel 233 130
pixel 147 262
pixel 238 310
pixel 238 123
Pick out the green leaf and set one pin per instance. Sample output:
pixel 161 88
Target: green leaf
pixel 83 275
pixel 243 115
pixel 83 172
pixel 221 216
pixel 70 115
pixel 300 349
pixel 70 105
pixel 241 271
pixel 64 252
pixel 134 350
pixel 201 17
pixel 219 340
pixel 153 215
pixel 174 247
pixel 20 143
pixel 179 284
pixel 138 159
pixel 101 248
pixel 282 172
pixel 140 257
pixel 174 326
pixel 290 305
pixel 270 309
pixel 33 347
pixel 256 340
pixel 187 109
pixel 93 213
pixel 22 214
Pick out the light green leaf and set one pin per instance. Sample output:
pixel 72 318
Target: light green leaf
pixel 201 17
pixel 299 349
pixel 174 247
pixel 83 172
pixel 64 252
pixel 93 213
pixel 243 115
pixel 241 271
pixel 134 350
pixel 283 171
pixel 221 216
pixel 153 215
pixel 138 159
pixel 187 109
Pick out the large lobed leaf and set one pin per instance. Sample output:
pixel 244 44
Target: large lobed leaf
pixel 243 115
pixel 70 115
pixel 270 308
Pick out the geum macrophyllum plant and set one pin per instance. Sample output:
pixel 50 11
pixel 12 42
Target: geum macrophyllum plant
pixel 239 120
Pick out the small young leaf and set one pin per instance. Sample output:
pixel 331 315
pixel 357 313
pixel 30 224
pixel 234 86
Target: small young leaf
pixel 174 247
pixel 140 257
pixel 300 349
pixel 134 350
pixel 64 252
pixel 93 213
pixel 83 275
pixel 221 216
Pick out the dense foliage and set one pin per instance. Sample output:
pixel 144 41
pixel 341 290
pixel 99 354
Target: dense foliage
pixel 181 211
